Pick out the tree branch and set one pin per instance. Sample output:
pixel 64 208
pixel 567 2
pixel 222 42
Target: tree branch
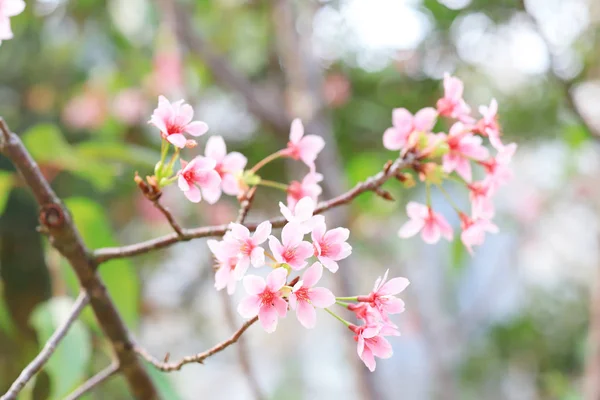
pixel 58 224
pixel 371 184
pixel 170 218
pixel 94 381
pixel 42 358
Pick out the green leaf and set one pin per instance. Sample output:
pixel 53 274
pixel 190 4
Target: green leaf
pixel 137 156
pixel 6 183
pixel 67 366
pixel 119 276
pixel 575 136
pixel 6 323
pixel 458 255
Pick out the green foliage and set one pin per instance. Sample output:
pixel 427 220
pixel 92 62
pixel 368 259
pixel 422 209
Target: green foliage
pixel 67 366
pixel 6 182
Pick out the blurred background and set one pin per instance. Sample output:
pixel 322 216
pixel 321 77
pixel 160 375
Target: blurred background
pixel 517 321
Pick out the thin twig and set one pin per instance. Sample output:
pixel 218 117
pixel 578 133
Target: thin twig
pixel 197 358
pixel 170 218
pixel 94 381
pixel 370 184
pixel 42 358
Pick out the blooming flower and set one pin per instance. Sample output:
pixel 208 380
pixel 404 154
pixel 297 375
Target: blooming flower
pixel 383 299
pixel 474 230
pixel 308 187
pixel 200 172
pixel 452 104
pixel 305 148
pixel 292 249
pixel 480 196
pixel 226 262
pixel 404 124
pixel 247 248
pixel 330 246
pixel 304 297
pixel 488 124
pixel 423 219
pixel 371 343
pixel 175 119
pixel 227 166
pixel 464 147
pixel 497 169
pixel 265 299
pixel 9 8
pixel 302 214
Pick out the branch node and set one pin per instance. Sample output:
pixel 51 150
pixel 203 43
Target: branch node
pixel 51 217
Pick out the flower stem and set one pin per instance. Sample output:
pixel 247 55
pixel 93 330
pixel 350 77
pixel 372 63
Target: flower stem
pixel 355 298
pixel 342 303
pixel 273 184
pixel 342 320
pixel 449 198
pixel 267 160
pixel 428 194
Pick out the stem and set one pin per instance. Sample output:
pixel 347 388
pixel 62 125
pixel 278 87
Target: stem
pixel 355 298
pixel 342 320
pixel 270 256
pixel 164 150
pixel 428 194
pixel 267 160
pixel 175 157
pixel 449 198
pixel 342 303
pixel 273 184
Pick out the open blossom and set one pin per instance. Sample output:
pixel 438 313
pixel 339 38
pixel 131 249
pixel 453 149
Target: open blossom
pixel 309 186
pixel 423 219
pixel 474 230
pixel 383 299
pixel 371 343
pixel 464 147
pixel 452 104
pixel 480 196
pixel 404 124
pixel 302 214
pixel 330 246
pixel 497 168
pixel 226 262
pixel 228 166
pixel 265 299
pixel 246 247
pixel 488 124
pixel 175 119
pixel 9 8
pixel 196 176
pixel 304 297
pixel 292 249
pixel 305 148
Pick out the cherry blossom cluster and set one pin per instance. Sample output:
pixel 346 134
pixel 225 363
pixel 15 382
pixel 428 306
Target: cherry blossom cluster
pixel 9 8
pixel 451 156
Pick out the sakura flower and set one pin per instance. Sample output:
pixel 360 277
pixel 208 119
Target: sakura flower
pixel 304 297
pixel 9 8
pixel 452 104
pixel 371 343
pixel 199 174
pixel 175 119
pixel 226 262
pixel 405 124
pixel 423 219
pixel 265 299
pixel 383 299
pixel 464 147
pixel 480 196
pixel 305 148
pixel 365 312
pixel 497 168
pixel 308 187
pixel 488 124
pixel 474 230
pixel 302 214
pixel 240 243
pixel 330 246
pixel 292 249
pixel 227 166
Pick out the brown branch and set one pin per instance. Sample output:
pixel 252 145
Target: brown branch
pixel 170 218
pixel 58 224
pixel 94 381
pixel 42 358
pixel 197 358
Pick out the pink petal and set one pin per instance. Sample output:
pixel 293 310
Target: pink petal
pixel 430 232
pixel 453 87
pixel 208 180
pixel 12 7
pixel 411 228
pixel 394 305
pixel 291 234
pixel 249 306
pixel 304 250
pixel 229 184
pixel 424 119
pixel 310 146
pixel 200 163
pixel 393 286
pixel 217 249
pixel 240 232
pixel 402 120
pixel 276 279
pixel 234 162
pixel 286 212
pixel 193 194
pixel 241 267
pixel 380 347
pixel 292 301
pixel 254 284
pixel 321 297
pixel 257 257
pixel 463 168
pixel 277 249
pixel 183 113
pixel 154 119
pixel 319 231
pixel 337 235
pixel 183 184
pixel 215 148
pixel 177 139
pixel 393 139
pixel 296 130
pixel 416 210
pixel 312 275
pixel 306 314
pixel 445 228
pixel 222 277
pixel 211 195
pixel 281 306
pixel 268 318
pixel 304 209
pixel 330 264
pixel 263 230
pixel 196 128
pixel 369 360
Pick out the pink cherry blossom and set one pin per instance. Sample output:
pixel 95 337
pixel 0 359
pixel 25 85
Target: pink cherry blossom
pixel 405 124
pixel 9 8
pixel 130 106
pixel 423 219
pixel 226 262
pixel 497 169
pixel 198 175
pixel 265 299
pixel 330 246
pixel 488 124
pixel 304 297
pixel 464 146
pixel 473 231
pixel 302 214
pixel 246 247
pixel 308 187
pixel 292 249
pixel 382 298
pixel 452 104
pixel 175 119
pixel 371 343
pixel 365 313
pixel 305 148
pixel 228 166
pixel 480 196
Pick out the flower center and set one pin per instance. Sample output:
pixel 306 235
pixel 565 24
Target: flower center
pixel 267 297
pixel 190 176
pixel 295 190
pixel 302 294
pixel 289 254
pixel 247 247
pixel 292 151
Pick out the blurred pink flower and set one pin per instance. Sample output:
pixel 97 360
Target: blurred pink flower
pixel 305 148
pixel 175 119
pixel 292 250
pixel 129 106
pixel 330 246
pixel 9 8
pixel 224 277
pixel 452 104
pixel 488 124
pixel 167 76
pixel 87 110
pixel 423 219
pixel 265 299
pixel 371 343
pixel 302 214
pixel 304 297
pixel 228 166
pixel 473 231
pixel 308 187
pixel 480 196
pixel 239 243
pixel 497 168
pixel 382 298
pixel 464 147
pixel 199 174
pixel 405 124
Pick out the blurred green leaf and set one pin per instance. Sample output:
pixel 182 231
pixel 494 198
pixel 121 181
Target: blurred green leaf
pixel 6 182
pixel 118 275
pixel 575 136
pixel 163 384
pixel 115 151
pixel 67 366
pixel 458 255
pixel 6 323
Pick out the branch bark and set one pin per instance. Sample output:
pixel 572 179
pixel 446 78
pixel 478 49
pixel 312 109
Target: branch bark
pixel 57 223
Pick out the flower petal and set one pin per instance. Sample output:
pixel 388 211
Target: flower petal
pixel 196 128
pixel 313 274
pixel 306 314
pixel 215 148
pixel 254 284
pixel 249 306
pixel 321 297
pixel 268 318
pixel 276 279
